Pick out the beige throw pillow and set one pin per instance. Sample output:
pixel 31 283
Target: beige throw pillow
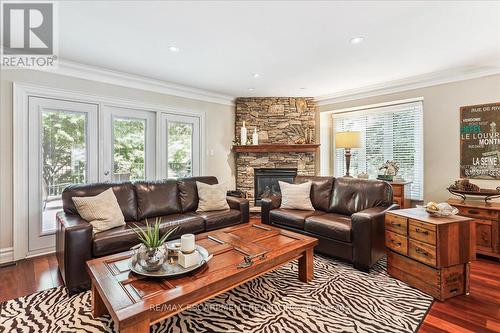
pixel 296 196
pixel 211 197
pixel 102 210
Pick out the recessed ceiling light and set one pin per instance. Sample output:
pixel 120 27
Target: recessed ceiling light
pixel 357 40
pixel 173 49
pixel 251 89
pixel 302 88
pixel 255 75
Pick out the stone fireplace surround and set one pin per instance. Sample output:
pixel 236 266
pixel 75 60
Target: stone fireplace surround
pixel 277 120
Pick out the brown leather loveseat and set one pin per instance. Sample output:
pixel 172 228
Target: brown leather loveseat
pixel 348 218
pixel 175 201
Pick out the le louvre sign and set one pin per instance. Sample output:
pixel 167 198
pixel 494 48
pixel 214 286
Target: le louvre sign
pixel 480 141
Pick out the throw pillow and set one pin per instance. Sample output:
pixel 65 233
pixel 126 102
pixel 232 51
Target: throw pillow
pixel 296 196
pixel 101 211
pixel 211 197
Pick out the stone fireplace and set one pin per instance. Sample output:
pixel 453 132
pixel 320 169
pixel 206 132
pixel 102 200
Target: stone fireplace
pixel 266 181
pixel 281 122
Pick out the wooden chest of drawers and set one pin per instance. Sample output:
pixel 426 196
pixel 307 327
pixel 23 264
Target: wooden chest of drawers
pixel 487 224
pixel 429 253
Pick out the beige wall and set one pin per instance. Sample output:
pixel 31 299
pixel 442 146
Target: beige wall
pixel 219 129
pixel 441 128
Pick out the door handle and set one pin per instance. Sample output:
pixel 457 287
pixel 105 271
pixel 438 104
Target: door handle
pixel 106 173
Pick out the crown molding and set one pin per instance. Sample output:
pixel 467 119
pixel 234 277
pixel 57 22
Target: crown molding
pixel 414 82
pixel 99 74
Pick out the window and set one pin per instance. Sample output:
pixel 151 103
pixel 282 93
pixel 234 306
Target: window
pixel 129 149
pixel 389 133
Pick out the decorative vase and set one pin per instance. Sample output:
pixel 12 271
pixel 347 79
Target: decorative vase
pixel 243 133
pixel 255 137
pixel 151 259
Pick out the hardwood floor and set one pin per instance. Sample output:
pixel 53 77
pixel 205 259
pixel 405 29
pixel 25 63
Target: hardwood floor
pixel 29 276
pixel 478 312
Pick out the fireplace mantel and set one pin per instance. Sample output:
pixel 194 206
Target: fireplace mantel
pixel 277 148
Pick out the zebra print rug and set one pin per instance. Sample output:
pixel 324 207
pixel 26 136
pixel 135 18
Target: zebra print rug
pixel 340 299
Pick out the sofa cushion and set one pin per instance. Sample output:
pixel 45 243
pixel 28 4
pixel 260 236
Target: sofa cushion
pixel 291 217
pixel 114 240
pixel 157 198
pixel 123 238
pixel 351 195
pixel 188 192
pixel 219 219
pixel 124 192
pixel 296 196
pixel 330 225
pixel 211 197
pixel 102 210
pixel 321 190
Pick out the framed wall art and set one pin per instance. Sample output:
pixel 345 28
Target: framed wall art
pixel 480 141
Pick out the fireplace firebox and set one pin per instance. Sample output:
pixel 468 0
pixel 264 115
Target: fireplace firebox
pixel 266 181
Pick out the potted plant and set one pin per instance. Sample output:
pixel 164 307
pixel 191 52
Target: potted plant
pixel 151 253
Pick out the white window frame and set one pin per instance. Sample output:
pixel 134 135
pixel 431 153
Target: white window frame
pixel 21 93
pixel 196 145
pixel 35 149
pixel 107 116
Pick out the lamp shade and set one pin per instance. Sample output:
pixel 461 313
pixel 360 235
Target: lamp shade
pixel 348 139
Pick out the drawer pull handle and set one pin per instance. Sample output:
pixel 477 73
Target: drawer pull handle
pixel 394 224
pixel 473 211
pixel 422 252
pixel 395 242
pixel 425 232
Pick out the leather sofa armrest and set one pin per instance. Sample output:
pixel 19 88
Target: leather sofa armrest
pixel 73 249
pixel 368 236
pixel 267 205
pixel 242 205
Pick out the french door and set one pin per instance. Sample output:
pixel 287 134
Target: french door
pixel 128 149
pixel 180 146
pixel 74 142
pixel 62 151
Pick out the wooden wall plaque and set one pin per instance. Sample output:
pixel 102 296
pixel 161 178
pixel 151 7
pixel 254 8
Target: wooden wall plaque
pixel 480 141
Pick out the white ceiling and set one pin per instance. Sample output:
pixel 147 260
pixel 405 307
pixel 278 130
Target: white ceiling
pixel 291 44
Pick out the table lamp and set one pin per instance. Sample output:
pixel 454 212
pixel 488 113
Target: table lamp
pixel 348 140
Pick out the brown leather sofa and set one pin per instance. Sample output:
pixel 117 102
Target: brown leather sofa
pixel 175 201
pixel 348 218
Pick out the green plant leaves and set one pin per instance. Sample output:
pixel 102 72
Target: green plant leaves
pixel 150 236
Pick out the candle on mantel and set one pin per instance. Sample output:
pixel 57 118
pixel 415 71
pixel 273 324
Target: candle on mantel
pixel 243 134
pixel 255 137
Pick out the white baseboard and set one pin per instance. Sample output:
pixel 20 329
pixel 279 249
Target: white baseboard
pixel 6 255
pixel 41 252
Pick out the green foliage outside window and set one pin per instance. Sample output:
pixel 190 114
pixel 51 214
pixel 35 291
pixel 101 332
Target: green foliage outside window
pixel 63 150
pixel 129 147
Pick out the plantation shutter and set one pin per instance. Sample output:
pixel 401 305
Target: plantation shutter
pixel 388 133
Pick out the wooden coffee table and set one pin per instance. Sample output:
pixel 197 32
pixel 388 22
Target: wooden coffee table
pixel 135 302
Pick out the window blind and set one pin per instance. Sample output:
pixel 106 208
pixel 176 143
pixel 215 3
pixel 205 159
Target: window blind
pixel 388 133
